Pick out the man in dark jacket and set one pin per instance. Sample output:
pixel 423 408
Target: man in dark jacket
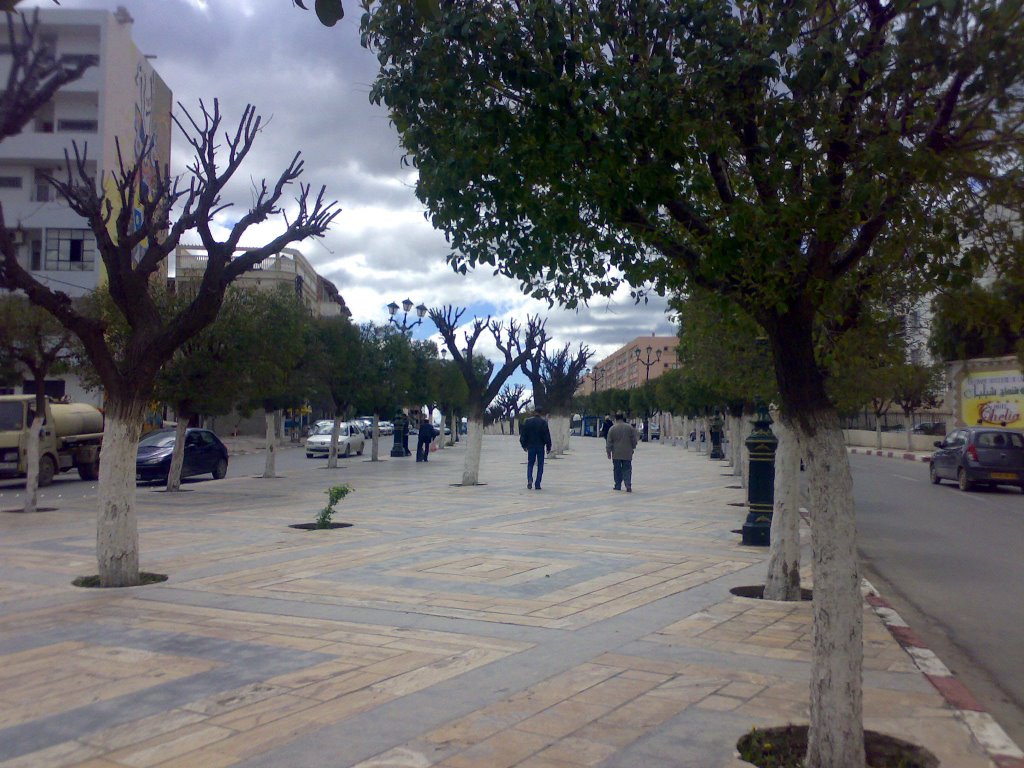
pixel 620 444
pixel 426 434
pixel 535 438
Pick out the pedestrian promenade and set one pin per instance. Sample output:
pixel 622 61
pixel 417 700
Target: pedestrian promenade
pixel 480 627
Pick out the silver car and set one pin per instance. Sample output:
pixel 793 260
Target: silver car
pixel 350 440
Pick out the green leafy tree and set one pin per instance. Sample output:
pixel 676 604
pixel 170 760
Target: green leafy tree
pixel 783 156
pixel 275 374
pixel 978 320
pixel 336 371
pixel 386 373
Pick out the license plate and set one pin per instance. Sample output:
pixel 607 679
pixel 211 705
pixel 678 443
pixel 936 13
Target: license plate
pixel 1003 476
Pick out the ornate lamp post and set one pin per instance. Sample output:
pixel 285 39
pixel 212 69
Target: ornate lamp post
pixel 647 362
pixel 405 326
pixel 761 486
pixel 595 375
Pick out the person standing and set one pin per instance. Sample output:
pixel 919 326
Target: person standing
pixel 535 439
pixel 605 426
pixel 620 443
pixel 426 434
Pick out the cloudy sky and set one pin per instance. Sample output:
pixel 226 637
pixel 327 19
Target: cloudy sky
pixel 311 86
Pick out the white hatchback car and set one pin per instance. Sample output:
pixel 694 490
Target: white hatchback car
pixel 350 440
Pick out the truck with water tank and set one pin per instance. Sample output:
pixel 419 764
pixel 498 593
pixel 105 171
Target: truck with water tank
pixel 69 439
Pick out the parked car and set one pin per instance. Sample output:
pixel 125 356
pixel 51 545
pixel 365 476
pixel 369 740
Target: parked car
pixel 979 456
pixel 930 428
pixel 386 427
pixel 204 452
pixel 350 440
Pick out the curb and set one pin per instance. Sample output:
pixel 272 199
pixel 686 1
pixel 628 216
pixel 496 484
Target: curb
pixel 986 731
pixel 889 454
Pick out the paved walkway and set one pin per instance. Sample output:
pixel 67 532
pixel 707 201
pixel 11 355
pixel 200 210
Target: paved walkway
pixel 477 627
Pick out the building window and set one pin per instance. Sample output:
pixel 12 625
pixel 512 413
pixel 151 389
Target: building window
pixel 37 255
pixel 83 126
pixel 10 182
pixel 70 250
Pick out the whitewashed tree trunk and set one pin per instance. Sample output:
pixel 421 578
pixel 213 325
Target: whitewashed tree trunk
pixel 783 579
pixel 271 444
pixel 746 427
pixel 878 433
pixel 32 456
pixel 117 533
pixel 474 444
pixel 736 438
pixel 177 456
pixel 559 426
pixel 332 452
pixel 909 429
pixel 279 425
pixel 836 738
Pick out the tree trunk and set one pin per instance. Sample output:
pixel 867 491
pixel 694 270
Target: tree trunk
pixel 836 738
pixel 559 426
pixel 271 444
pixel 117 534
pixel 783 579
pixel 474 443
pixel 332 453
pixel 736 438
pixel 178 455
pixel 279 425
pixel 878 433
pixel 909 428
pixel 746 427
pixel 32 456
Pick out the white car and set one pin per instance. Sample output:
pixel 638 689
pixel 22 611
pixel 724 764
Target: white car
pixel 350 440
pixel 386 428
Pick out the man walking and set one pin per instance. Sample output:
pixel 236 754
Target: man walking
pixel 535 438
pixel 620 444
pixel 426 434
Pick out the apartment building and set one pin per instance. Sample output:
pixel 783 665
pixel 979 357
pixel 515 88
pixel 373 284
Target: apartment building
pixel 289 267
pixel 121 101
pixel 632 364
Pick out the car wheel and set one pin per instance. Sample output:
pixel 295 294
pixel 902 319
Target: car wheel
pixel 345 454
pixel 934 475
pixel 89 471
pixel 220 470
pixel 309 455
pixel 962 481
pixel 360 451
pixel 47 470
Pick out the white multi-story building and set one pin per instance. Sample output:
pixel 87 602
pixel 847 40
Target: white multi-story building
pixel 288 267
pixel 121 101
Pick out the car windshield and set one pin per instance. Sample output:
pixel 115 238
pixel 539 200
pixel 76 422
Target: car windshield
pixel 324 429
pixel 157 440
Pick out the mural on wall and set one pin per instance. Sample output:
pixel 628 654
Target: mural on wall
pixel 993 398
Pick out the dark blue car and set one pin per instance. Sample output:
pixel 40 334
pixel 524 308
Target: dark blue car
pixel 204 453
pixel 976 456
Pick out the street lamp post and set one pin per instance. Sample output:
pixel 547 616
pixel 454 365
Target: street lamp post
pixel 595 375
pixel 405 326
pixel 647 362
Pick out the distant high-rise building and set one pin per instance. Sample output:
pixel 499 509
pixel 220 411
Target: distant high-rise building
pixel 121 101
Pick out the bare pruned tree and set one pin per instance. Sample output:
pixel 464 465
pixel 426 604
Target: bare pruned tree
pixel 135 233
pixel 555 379
pixel 515 341
pixel 511 400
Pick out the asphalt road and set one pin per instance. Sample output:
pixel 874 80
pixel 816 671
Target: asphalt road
pixel 952 564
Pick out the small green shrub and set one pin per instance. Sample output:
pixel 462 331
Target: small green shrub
pixel 334 495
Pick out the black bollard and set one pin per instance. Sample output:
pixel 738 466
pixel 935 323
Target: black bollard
pixel 760 481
